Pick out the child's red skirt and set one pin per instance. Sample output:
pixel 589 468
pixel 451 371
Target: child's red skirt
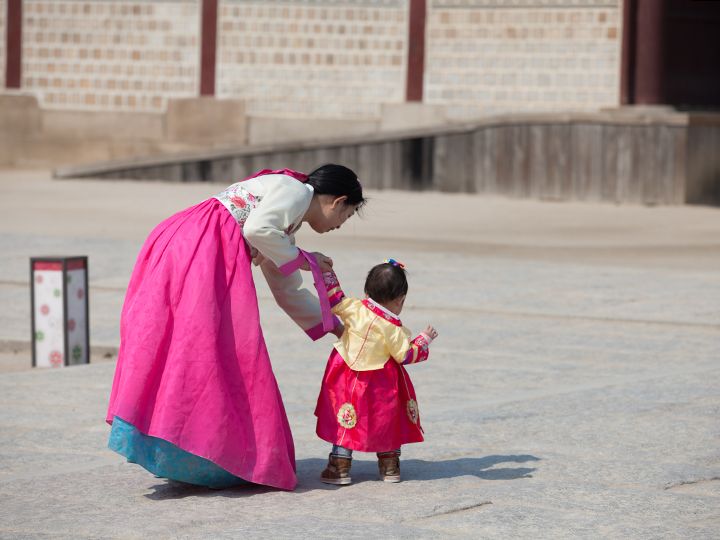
pixel 368 411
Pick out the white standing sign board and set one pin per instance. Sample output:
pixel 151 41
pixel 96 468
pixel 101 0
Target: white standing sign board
pixel 60 322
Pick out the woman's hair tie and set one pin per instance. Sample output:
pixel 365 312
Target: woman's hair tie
pixel 393 262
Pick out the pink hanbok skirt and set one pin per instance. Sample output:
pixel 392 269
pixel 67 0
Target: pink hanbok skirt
pixel 193 368
pixel 368 411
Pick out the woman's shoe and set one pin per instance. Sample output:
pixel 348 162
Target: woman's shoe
pixel 337 471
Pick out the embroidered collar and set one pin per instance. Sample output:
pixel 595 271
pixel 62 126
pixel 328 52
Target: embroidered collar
pixel 381 311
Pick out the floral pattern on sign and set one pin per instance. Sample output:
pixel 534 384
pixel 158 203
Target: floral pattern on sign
pixel 56 359
pixel 412 411
pixel 346 416
pixel 77 319
pixel 48 314
pixel 239 202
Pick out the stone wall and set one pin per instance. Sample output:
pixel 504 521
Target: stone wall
pixel 334 59
pixel 322 59
pixel 110 55
pixel 491 56
pixel 305 69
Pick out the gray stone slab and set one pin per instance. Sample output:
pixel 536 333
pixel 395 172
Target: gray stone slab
pixel 573 393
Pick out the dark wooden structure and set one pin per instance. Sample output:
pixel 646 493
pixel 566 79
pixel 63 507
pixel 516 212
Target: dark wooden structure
pixel 671 53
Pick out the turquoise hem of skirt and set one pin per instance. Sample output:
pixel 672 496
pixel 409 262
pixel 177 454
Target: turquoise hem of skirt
pixel 165 460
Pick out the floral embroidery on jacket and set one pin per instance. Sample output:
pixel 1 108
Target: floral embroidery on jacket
pixel 346 416
pixel 239 201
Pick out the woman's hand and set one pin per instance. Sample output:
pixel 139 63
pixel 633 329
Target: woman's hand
pixel 256 256
pixel 325 263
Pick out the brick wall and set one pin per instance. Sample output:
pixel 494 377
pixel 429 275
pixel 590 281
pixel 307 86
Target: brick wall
pixel 490 56
pixel 310 58
pixel 110 55
pixel 323 58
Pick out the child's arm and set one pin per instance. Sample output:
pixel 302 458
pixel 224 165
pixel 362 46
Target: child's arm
pixel 334 292
pixel 339 303
pixel 296 300
pixel 405 351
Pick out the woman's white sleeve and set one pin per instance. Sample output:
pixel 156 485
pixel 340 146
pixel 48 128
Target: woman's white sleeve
pixel 267 227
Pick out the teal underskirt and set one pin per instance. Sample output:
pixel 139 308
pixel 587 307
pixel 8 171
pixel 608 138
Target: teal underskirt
pixel 165 460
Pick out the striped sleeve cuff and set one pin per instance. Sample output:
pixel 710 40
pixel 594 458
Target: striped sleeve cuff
pixel 316 332
pixel 289 267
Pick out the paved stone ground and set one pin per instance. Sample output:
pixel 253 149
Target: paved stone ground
pixel 574 390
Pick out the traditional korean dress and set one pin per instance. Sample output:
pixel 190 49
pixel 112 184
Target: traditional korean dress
pixel 367 401
pixel 194 397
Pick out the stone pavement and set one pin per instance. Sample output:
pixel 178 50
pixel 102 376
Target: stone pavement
pixel 574 390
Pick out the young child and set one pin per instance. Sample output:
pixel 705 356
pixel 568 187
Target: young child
pixel 367 402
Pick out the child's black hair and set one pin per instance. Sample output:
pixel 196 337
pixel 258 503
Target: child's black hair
pixel 385 282
pixel 337 180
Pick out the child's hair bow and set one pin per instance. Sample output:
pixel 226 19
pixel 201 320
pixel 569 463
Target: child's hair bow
pixel 395 263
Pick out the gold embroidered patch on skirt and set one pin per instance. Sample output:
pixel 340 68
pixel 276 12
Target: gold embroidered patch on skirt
pixel 412 411
pixel 346 416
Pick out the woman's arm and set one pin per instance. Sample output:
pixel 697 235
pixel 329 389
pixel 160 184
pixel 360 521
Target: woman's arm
pixel 297 301
pixel 268 227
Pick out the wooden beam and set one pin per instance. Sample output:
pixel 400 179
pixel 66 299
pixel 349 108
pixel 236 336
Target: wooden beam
pixel 13 45
pixel 649 53
pixel 627 61
pixel 208 47
pixel 416 51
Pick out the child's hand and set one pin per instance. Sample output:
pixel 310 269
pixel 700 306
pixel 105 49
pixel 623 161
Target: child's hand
pixel 430 331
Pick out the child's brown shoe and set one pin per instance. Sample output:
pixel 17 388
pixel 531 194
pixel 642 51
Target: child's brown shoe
pixel 337 471
pixel 389 466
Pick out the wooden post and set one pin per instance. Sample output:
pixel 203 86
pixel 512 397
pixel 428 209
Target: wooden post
pixel 649 53
pixel 208 47
pixel 416 51
pixel 13 45
pixel 629 37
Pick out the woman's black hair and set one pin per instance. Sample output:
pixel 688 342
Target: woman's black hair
pixel 337 180
pixel 385 282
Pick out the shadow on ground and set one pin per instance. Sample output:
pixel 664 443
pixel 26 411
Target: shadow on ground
pixel 413 470
pixel 421 470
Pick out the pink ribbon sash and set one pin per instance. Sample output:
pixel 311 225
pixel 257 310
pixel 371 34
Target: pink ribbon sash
pixel 327 316
pixel 289 172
